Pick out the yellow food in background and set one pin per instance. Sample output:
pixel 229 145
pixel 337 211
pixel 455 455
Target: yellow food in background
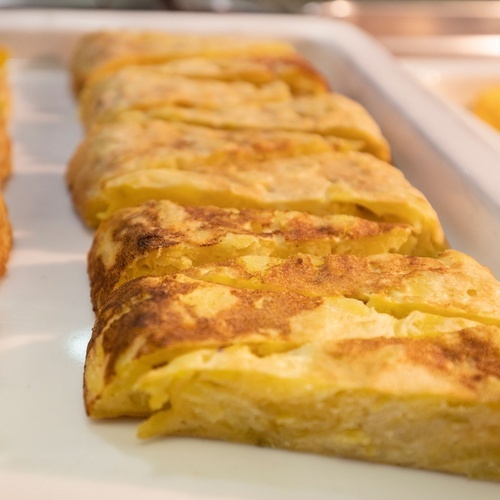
pixel 487 106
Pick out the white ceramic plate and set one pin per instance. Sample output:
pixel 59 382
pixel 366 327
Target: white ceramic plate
pixel 49 450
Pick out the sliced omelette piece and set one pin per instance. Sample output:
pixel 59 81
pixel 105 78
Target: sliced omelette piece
pixel 5 236
pixel 5 153
pixel 149 87
pixel 161 237
pixel 5 105
pixel 451 284
pixel 430 402
pixel 136 143
pixel 103 52
pixel 328 114
pixel 5 162
pixel 150 320
pixel 294 70
pixel 347 183
pixel 320 374
pixel 5 98
pixel 199 82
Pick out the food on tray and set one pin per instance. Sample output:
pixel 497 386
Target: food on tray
pixel 100 53
pixel 5 153
pixel 452 284
pixel 335 183
pixel 261 273
pixel 205 83
pixel 348 183
pixel 5 147
pixel 4 86
pixel 487 106
pixel 294 70
pixel 5 236
pixel 329 114
pixel 137 144
pixel 327 374
pixel 146 87
pixel 160 237
pixel 5 162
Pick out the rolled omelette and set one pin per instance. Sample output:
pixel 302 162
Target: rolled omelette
pixel 345 183
pixel 100 53
pixel 323 374
pixel 161 237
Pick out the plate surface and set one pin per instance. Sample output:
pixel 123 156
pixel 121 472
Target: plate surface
pixel 49 450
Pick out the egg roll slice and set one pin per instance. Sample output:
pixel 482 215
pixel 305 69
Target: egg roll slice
pixel 329 114
pixel 5 106
pixel 136 143
pixel 161 237
pixel 346 183
pixel 452 284
pixel 150 320
pixel 5 95
pixel 5 236
pixel 428 402
pixel 147 87
pixel 103 52
pixel 294 70
pixel 320 374
pixel 5 153
pixel 295 74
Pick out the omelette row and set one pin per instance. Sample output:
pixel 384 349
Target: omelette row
pixel 261 273
pixel 385 358
pixel 5 162
pixel 248 124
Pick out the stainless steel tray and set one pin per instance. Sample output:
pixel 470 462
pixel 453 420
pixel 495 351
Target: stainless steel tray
pixel 49 450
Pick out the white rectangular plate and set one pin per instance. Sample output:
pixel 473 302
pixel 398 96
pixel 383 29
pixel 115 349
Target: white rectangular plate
pixel 49 450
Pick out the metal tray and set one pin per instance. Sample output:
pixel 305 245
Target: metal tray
pixel 49 450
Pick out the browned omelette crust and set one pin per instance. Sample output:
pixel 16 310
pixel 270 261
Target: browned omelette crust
pixel 204 83
pixel 153 319
pixel 100 53
pixel 5 98
pixel 453 284
pixel 5 153
pixel 160 237
pixel 348 183
pixel 472 353
pixel 148 87
pixel 150 317
pixel 247 321
pixel 265 350
pixel 5 104
pixel 294 70
pixel 5 236
pixel 137 143
pixel 328 114
pixel 158 303
pixel 5 162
